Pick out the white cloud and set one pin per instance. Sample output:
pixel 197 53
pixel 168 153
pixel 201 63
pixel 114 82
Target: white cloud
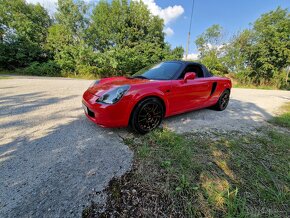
pixel 168 14
pixel 191 56
pixel 168 31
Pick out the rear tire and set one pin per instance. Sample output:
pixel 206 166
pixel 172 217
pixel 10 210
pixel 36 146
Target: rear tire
pixel 147 115
pixel 223 101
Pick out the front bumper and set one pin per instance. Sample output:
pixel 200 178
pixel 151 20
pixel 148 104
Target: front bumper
pixel 106 115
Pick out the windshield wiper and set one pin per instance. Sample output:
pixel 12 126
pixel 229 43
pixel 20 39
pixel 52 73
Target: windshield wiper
pixel 140 77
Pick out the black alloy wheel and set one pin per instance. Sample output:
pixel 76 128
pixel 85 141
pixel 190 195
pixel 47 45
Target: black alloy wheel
pixel 223 100
pixel 147 115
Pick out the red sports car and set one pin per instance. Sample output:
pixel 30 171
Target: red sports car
pixel 143 100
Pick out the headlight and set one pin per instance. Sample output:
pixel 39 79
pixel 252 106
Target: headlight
pixel 94 83
pixel 114 95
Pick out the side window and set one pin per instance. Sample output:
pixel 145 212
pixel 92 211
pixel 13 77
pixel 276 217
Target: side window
pixel 192 68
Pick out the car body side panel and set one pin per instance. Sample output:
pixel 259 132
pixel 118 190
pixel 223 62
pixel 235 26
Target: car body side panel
pixel 188 95
pixel 196 95
pixel 221 85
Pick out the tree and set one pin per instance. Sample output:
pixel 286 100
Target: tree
pixel 129 35
pixel 261 54
pixel 235 58
pixel 210 40
pixel 269 52
pixel 115 38
pixel 23 31
pixel 67 37
pixel 173 54
pixel 211 49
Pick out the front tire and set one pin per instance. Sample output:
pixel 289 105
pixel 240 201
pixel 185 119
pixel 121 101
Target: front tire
pixel 223 101
pixel 147 115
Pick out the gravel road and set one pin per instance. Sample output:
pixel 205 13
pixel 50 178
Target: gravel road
pixel 52 159
pixel 54 162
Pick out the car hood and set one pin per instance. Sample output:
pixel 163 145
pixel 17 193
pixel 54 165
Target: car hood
pixel 109 83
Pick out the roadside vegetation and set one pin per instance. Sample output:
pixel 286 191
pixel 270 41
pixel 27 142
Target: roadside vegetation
pixel 256 56
pixel 109 39
pixel 284 118
pixel 251 86
pixel 4 77
pixel 210 174
pixel 113 38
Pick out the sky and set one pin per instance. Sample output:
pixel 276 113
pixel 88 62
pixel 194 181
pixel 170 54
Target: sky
pixel 232 15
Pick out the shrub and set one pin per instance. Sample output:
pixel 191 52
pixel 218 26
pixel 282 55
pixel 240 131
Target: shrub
pixel 87 71
pixel 49 68
pixel 281 80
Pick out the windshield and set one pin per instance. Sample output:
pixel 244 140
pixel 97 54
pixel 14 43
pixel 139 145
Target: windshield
pixel 161 71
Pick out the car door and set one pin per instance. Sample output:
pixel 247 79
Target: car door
pixel 190 94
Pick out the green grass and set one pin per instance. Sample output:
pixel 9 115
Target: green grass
pixel 263 87
pixel 19 73
pixel 5 72
pixel 216 175
pixel 255 87
pixel 283 119
pixel 4 77
pixel 88 77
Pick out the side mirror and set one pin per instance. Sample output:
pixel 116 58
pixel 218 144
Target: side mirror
pixel 189 76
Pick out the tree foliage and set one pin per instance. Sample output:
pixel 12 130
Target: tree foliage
pixel 23 32
pixel 269 50
pixel 127 37
pixel 113 38
pixel 259 55
pixel 120 37
pixel 211 48
pixel 66 38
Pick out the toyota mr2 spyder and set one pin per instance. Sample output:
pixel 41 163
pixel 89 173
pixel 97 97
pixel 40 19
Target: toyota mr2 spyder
pixel 141 101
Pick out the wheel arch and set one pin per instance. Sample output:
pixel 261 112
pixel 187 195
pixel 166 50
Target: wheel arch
pixel 223 86
pixel 162 101
pixel 225 89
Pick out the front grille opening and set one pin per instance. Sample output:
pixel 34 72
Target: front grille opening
pixel 91 113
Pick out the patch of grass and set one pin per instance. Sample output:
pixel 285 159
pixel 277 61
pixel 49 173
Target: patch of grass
pixel 5 77
pixel 265 87
pixel 19 72
pixel 197 175
pixel 262 167
pixel 283 119
pixel 87 77
pixel 6 72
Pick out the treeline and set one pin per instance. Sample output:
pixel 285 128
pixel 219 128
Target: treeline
pixel 259 55
pixel 109 39
pixel 120 37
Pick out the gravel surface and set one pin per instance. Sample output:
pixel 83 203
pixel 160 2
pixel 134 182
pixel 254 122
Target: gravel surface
pixel 247 110
pixel 54 162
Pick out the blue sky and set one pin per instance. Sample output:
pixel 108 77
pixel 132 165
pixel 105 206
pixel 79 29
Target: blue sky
pixel 232 15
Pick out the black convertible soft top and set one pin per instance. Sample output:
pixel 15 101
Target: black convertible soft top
pixel 206 72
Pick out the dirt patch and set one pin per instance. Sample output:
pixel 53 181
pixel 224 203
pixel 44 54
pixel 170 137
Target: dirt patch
pixel 129 198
